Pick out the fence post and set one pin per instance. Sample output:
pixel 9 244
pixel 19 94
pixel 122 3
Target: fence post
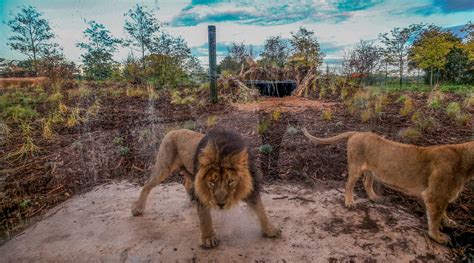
pixel 212 63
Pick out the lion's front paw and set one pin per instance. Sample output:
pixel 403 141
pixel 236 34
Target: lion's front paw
pixel 209 242
pixel 137 210
pixel 440 238
pixel 272 232
pixel 349 203
pixel 375 198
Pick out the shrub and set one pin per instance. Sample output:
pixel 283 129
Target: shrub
pixel 291 130
pixel 82 92
pixel 366 115
pixel 74 118
pixel 55 97
pixel 265 149
pixel 326 115
pixel 407 106
pixel 48 132
pixel 28 148
pixel 344 92
pixel 262 127
pixel 410 133
pixel 322 92
pixel 136 92
pixel 453 110
pixel 360 101
pixel 276 115
pixel 20 113
pixel 190 125
pixel 123 150
pixel 435 99
pixel 464 119
pixel 211 121
pixel 4 133
pixel 434 104
pixel 118 141
pixel 469 101
pixel 93 110
pixel 380 101
pixel 422 122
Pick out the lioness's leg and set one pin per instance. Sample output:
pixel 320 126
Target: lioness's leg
pixel 369 186
pixel 354 174
pixel 255 202
pixel 435 209
pixel 208 236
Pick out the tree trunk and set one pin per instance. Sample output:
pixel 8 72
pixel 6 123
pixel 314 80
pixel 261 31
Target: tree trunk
pixel 401 73
pixel 431 77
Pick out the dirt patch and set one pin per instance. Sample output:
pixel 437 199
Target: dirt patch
pixel 98 225
pixel 285 104
pixel 22 82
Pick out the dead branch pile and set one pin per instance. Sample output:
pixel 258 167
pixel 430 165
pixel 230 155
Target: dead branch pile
pixel 265 73
pixel 308 83
pixel 233 89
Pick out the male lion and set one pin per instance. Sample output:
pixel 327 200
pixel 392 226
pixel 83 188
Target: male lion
pixel 218 174
pixel 437 174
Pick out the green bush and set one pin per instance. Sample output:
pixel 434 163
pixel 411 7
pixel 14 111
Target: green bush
pixel 265 149
pixel 453 109
pixel 20 113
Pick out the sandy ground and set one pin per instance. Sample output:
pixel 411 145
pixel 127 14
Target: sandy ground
pixel 285 104
pixel 98 227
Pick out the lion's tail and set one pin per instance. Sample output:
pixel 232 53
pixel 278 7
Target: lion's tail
pixel 329 140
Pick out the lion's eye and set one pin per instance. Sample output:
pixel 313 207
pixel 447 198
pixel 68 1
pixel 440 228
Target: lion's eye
pixel 210 184
pixel 232 182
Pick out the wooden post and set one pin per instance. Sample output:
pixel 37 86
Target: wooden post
pixel 212 63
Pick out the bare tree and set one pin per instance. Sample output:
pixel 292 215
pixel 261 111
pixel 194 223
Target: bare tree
pixel 363 59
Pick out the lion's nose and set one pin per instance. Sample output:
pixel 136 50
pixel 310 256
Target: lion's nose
pixel 221 205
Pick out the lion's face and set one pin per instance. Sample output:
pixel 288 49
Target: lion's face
pixel 222 181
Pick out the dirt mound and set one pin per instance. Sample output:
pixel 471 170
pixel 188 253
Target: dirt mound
pixel 316 227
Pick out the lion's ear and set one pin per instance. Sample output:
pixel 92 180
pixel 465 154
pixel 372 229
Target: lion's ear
pixel 240 159
pixel 208 155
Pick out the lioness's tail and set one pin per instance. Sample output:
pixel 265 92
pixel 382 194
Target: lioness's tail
pixel 329 140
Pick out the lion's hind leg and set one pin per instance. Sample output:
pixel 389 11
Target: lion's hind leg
pixel 355 172
pixel 369 186
pixel 436 203
pixel 166 162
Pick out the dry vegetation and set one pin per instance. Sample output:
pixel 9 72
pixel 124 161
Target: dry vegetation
pixel 59 139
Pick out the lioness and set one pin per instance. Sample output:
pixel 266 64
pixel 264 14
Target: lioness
pixel 218 174
pixel 437 174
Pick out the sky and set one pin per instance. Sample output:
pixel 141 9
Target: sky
pixel 338 24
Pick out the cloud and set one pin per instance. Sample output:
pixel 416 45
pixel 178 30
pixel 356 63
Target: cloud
pixel 442 7
pixel 351 5
pixel 268 13
pixel 450 6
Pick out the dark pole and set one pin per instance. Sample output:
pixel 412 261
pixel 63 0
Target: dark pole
pixel 212 63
